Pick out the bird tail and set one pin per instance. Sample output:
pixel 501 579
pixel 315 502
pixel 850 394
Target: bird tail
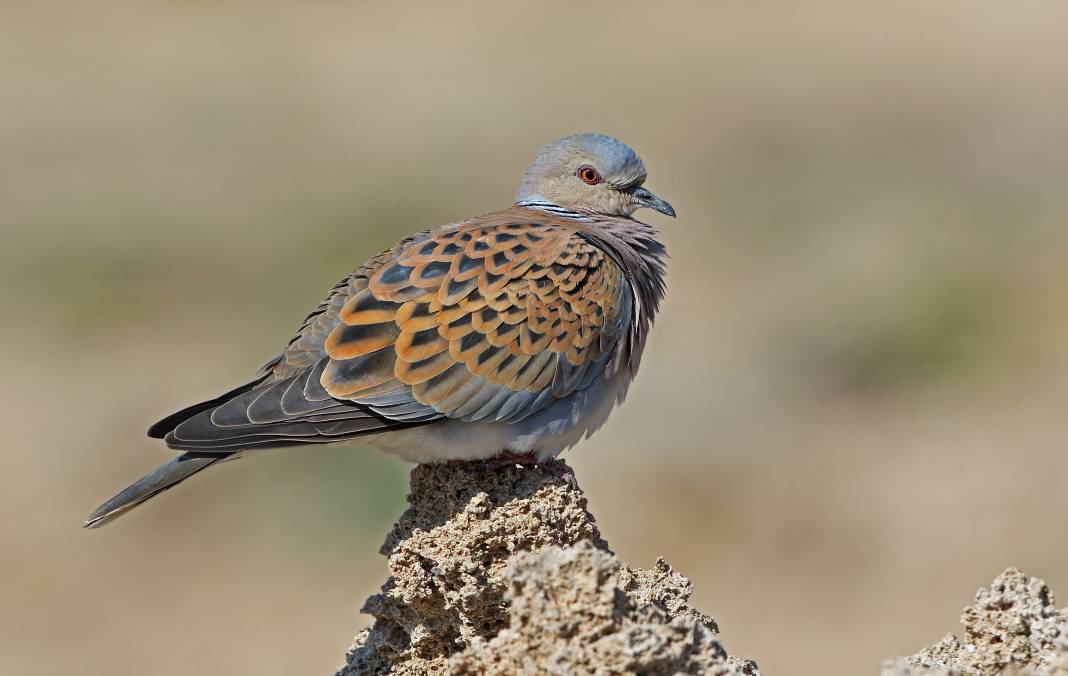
pixel 160 479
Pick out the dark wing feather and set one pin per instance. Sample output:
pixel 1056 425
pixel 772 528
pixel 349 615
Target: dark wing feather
pixel 160 429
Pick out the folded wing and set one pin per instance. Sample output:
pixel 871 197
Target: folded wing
pixel 493 319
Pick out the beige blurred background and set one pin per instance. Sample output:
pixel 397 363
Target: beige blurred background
pixel 850 416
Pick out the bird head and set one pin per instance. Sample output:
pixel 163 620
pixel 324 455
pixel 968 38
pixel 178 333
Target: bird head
pixel 590 173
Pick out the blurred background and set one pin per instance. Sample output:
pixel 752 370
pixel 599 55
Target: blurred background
pixel 851 413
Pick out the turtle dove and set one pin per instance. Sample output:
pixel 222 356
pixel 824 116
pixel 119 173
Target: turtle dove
pixel 512 334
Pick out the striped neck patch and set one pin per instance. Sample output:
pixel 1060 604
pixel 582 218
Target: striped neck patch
pixel 552 209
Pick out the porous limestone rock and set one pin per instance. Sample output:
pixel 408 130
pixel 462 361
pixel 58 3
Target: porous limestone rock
pixel 502 570
pixel 1013 629
pixel 574 611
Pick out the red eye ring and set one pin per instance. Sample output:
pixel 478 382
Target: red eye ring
pixel 589 175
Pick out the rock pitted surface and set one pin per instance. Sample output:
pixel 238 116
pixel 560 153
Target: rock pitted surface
pixel 576 611
pixel 503 571
pixel 1013 628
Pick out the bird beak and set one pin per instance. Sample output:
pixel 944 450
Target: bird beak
pixel 648 199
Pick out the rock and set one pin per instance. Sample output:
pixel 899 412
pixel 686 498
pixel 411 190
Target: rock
pixel 503 571
pixel 1013 628
pixel 570 614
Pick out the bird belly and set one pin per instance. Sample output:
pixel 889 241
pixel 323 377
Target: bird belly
pixel 544 435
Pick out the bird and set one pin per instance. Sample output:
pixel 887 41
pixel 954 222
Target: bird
pixel 510 335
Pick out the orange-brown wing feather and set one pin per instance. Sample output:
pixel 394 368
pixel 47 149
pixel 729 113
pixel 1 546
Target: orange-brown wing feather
pixel 306 348
pixel 491 319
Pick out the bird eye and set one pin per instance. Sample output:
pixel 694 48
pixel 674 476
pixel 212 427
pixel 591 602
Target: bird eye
pixel 589 175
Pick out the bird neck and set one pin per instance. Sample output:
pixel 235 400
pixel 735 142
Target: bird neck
pixel 641 256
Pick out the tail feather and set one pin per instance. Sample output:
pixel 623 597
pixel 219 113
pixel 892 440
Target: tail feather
pixel 160 479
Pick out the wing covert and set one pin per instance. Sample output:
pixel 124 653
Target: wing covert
pixel 492 319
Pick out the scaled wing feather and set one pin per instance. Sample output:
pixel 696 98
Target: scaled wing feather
pixel 492 319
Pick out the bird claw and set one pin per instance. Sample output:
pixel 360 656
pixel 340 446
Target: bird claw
pixel 552 466
pixel 561 471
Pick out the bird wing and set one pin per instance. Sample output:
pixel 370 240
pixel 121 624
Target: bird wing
pixel 491 319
